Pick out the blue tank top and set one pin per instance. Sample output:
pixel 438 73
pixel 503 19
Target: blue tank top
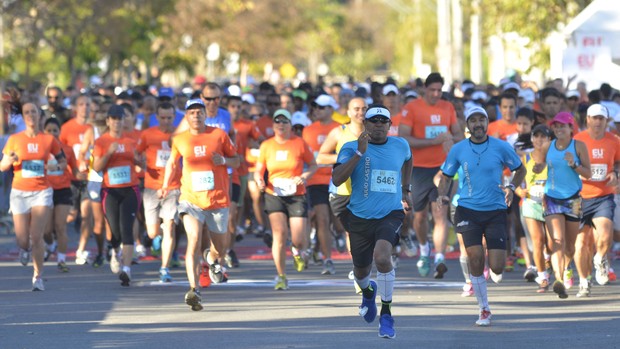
pixel 562 181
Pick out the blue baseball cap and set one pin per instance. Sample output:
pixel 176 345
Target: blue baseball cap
pixel 165 92
pixel 194 103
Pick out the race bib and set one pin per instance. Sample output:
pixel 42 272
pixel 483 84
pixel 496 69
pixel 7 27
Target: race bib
pixel 284 187
pixel 203 181
pixel 255 152
pixel 119 175
pixel 33 168
pixel 537 191
pixel 53 163
pixel 162 158
pixel 383 181
pixel 281 155
pixel 599 172
pixel 431 132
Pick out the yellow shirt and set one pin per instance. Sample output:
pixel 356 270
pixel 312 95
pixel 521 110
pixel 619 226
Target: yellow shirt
pixel 345 137
pixel 341 119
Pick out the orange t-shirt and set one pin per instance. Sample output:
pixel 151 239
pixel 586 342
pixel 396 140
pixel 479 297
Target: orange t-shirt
pixel 427 122
pixel 32 153
pixel 395 122
pixel 135 135
pixel 62 179
pixel 314 135
pixel 501 129
pixel 120 169
pixel 265 126
pixel 244 131
pixel 283 162
pixel 202 183
pixel 155 144
pixel 604 153
pixel 72 134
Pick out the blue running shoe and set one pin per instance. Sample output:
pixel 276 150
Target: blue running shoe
pixel 368 309
pixel 386 326
pixel 164 275
pixel 424 266
pixel 157 243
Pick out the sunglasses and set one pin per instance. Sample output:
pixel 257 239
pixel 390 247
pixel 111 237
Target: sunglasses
pixel 320 107
pixel 281 121
pixel 210 99
pixel 377 120
pixel 52 97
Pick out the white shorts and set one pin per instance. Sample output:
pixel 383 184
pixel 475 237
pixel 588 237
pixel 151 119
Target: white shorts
pixel 216 220
pixel 22 202
pixel 617 213
pixel 155 208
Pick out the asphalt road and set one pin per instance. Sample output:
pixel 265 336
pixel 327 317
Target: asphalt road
pixel 87 308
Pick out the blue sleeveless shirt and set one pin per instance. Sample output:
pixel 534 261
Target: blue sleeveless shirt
pixel 562 181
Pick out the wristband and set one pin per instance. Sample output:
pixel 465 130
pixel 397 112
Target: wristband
pixel 511 187
pixel 358 153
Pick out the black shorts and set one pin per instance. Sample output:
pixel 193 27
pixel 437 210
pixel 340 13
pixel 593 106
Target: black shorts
pixel 364 233
pixel 292 206
pixel 473 225
pixel 63 196
pixel 79 193
pixel 318 195
pixel 597 207
pixel 424 190
pixel 236 193
pixel 338 203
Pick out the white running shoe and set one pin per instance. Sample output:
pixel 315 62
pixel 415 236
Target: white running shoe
pixel 82 257
pixel 37 284
pixel 24 257
pixel 602 271
pixel 484 319
pixel 497 278
pixel 115 264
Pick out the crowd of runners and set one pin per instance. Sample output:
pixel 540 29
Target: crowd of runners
pixel 506 175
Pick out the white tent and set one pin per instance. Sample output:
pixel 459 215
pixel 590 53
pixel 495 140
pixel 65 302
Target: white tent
pixel 593 44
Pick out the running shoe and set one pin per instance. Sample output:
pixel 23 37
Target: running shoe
pixel 37 284
pixel 174 262
pixel 568 279
pixel 611 274
pixel 204 279
pixel 560 289
pixel 268 239
pixel 164 275
pixel 484 319
pixel 351 275
pixel 99 261
pixel 62 267
pixel 497 278
pixel 217 273
pixel 530 274
pixel 409 247
pixel 329 268
pixel 259 231
pixel 341 243
pixel 395 260
pixel 602 272
pixel 543 285
pixel 510 264
pixel 424 266
pixel 125 277
pixel 281 283
pixel 300 263
pixel 231 259
pixel 317 258
pixel 584 291
pixel 386 326
pixel 193 299
pixel 440 269
pixel 156 244
pixel 468 290
pixel 368 308
pixel 115 264
pixel 49 250
pixel 24 257
pixel 140 251
pixel 82 257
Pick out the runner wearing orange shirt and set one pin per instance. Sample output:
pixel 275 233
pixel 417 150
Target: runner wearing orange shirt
pixel 598 199
pixel 284 156
pixel 155 145
pixel 318 186
pixel 203 205
pixel 390 97
pixel 62 199
pixel 31 194
pixel 115 156
pixel 72 134
pixel 506 127
pixel 430 127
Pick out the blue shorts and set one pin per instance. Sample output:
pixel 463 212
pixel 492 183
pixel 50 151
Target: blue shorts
pixel 597 207
pixel 570 208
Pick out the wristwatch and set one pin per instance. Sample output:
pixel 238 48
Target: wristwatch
pixel 511 187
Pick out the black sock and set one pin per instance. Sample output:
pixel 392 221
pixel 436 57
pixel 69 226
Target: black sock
pixel 368 292
pixel 385 307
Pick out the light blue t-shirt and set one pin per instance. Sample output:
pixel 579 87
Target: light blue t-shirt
pixel 221 120
pixel 376 180
pixel 482 165
pixel 562 181
pixel 178 117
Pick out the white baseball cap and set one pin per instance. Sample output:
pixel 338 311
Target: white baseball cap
pixel 326 101
pixel 573 93
pixel 475 110
pixel 389 88
pixel 598 110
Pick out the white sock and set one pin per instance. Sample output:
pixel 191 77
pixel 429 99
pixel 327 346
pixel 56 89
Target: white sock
pixel 598 259
pixel 126 269
pixel 385 282
pixel 480 290
pixel 363 283
pixel 425 249
pixel 583 282
pixel 543 274
pixel 61 257
pixel 439 257
pixel 464 267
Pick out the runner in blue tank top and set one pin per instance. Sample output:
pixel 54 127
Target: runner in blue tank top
pixel 483 200
pixel 567 160
pixel 376 164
